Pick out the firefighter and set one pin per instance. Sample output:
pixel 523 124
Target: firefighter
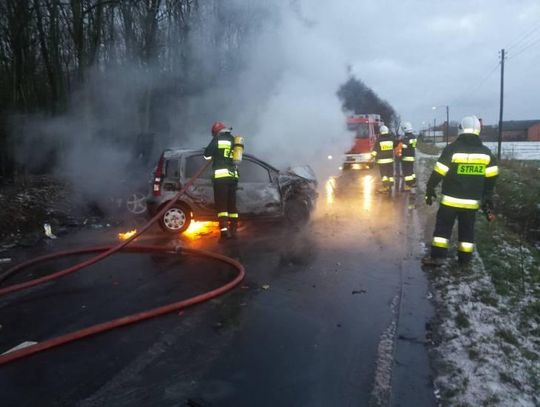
pixel 384 157
pixel 468 172
pixel 398 152
pixel 224 178
pixel 408 157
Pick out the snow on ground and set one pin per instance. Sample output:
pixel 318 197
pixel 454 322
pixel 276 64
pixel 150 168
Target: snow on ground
pixel 485 352
pixel 482 356
pixel 517 150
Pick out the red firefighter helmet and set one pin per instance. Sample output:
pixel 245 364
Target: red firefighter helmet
pixel 217 127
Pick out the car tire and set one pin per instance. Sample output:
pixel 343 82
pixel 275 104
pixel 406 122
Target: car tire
pixel 176 219
pixel 136 203
pixel 296 212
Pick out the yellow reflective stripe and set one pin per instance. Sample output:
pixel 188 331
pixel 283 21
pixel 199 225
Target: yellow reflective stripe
pixel 384 178
pixel 224 229
pixel 440 242
pixel 403 145
pixel 464 158
pixel 466 247
pixel 223 173
pixel 386 145
pixel 409 177
pixel 373 153
pixel 224 144
pixel 459 202
pixel 407 158
pixel 391 179
pixel 233 215
pixel 207 158
pixel 441 168
pixel 492 171
pixel 222 214
pixel 385 161
pixel 412 142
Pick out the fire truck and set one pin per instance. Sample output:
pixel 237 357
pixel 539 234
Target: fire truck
pixel 366 131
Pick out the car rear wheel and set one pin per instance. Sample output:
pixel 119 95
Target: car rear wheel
pixel 176 219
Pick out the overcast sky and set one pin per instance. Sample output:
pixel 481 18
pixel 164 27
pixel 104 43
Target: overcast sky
pixel 417 54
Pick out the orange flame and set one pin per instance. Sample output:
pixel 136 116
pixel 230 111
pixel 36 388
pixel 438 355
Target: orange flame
pixel 198 229
pixel 126 235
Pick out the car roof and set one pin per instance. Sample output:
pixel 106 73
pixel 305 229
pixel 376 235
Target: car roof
pixel 172 153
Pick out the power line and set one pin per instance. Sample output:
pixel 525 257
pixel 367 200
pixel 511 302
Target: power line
pixel 524 36
pixel 482 81
pixel 522 50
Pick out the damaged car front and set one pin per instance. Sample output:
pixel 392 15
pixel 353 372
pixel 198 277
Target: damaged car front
pixel 264 193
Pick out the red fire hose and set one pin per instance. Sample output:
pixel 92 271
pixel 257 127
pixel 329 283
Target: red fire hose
pixel 104 252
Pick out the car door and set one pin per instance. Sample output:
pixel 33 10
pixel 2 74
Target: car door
pixel 258 191
pixel 201 194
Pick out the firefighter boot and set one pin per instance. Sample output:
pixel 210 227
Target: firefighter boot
pixel 233 227
pixel 224 230
pixel 429 261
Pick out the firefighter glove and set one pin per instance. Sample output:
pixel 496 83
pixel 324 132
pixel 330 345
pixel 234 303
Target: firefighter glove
pixel 430 196
pixel 487 205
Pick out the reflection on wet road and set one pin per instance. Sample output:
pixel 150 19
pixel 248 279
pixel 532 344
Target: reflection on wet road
pixel 312 325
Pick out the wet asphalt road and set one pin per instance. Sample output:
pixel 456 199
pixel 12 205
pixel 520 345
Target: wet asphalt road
pixel 340 322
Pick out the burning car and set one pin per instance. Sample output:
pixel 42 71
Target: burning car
pixel 264 193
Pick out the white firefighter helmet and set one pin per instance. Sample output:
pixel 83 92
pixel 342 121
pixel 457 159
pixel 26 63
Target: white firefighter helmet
pixel 383 130
pixel 469 125
pixel 407 127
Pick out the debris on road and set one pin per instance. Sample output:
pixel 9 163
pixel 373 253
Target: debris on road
pixel 359 292
pixel 48 231
pixel 22 345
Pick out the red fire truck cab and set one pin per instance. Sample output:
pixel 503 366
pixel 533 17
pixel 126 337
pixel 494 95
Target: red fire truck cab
pixel 366 131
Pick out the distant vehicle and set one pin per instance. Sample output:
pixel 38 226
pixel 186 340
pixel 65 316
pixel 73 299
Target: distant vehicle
pixel 264 193
pixel 366 131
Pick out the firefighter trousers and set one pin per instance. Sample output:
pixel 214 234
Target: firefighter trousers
pixel 225 202
pixel 387 174
pixel 443 230
pixel 407 167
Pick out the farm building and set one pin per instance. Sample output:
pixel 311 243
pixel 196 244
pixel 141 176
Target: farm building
pixel 521 130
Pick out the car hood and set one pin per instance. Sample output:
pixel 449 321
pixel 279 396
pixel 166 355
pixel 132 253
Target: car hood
pixel 297 173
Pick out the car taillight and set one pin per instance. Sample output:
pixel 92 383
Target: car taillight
pixel 158 176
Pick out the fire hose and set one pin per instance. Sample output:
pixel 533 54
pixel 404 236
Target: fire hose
pixel 104 252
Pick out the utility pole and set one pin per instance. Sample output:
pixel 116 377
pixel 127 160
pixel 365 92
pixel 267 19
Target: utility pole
pixel 433 131
pixel 501 106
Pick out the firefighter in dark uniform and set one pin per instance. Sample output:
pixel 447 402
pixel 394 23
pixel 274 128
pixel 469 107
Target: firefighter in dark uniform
pixel 224 178
pixel 468 171
pixel 384 157
pixel 408 156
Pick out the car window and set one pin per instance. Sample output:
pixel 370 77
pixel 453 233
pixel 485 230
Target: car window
pixel 193 163
pixel 251 171
pixel 172 169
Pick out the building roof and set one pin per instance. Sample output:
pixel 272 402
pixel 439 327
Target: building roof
pixel 519 124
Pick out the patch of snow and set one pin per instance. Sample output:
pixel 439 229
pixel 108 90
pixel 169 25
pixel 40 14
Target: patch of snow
pixel 483 355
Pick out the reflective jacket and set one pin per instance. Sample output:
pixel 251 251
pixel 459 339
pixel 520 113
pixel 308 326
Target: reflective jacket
pixel 409 147
pixel 220 151
pixel 468 171
pixel 384 150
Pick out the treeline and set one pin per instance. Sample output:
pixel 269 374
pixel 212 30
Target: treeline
pixel 50 48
